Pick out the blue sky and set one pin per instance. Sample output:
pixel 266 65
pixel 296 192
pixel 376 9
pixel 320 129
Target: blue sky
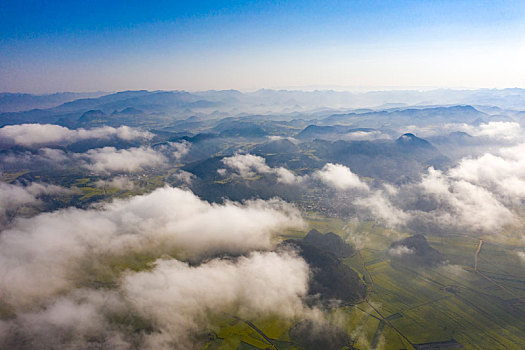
pixel 48 46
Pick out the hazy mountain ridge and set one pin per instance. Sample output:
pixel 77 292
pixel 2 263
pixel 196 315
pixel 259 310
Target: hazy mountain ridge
pixel 17 102
pixel 181 104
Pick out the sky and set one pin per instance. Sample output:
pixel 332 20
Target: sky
pixel 92 45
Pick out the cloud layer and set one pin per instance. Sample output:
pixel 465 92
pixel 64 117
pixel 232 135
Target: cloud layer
pixel 248 165
pixel 13 197
pixel 110 159
pixel 336 176
pixel 502 131
pixel 181 298
pixel 340 177
pixel 36 254
pixel 454 200
pixel 49 134
pixel 104 160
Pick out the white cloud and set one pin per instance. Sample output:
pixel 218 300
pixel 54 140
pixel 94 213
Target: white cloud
pixel 286 176
pixel 503 172
pixel 120 182
pixel 390 189
pixel 184 177
pixel 177 150
pixel 378 204
pixel 463 204
pixel 399 251
pixel 13 197
pixel 181 298
pixel 455 270
pixel 278 138
pixel 49 134
pixel 46 155
pixel 109 159
pixel 364 135
pixel 37 254
pixel 69 321
pixel 340 177
pixel 469 205
pixel 495 131
pixel 248 165
pixel 53 155
pixel 444 200
pixel 469 195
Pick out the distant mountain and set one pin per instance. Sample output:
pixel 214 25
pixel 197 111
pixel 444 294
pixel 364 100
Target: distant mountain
pixel 153 104
pixel 276 147
pixel 374 106
pixel 16 102
pixel 129 111
pixel 410 141
pixel 238 128
pixel 395 161
pixel 397 118
pixel 460 135
pixel 329 106
pixel 415 251
pixel 331 279
pixel 223 96
pixel 457 145
pixel 314 131
pixel 93 118
pixel 455 138
pixel 329 242
pixel 333 132
pixel 142 99
pixel 199 137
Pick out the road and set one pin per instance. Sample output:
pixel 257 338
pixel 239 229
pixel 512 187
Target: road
pixel 476 255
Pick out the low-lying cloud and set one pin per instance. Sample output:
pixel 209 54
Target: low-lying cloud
pixel 176 150
pixel 49 134
pixel 502 131
pixel 104 160
pixel 46 260
pixel 399 251
pixel 340 177
pixel 181 298
pixel 380 207
pixel 119 182
pixel 12 197
pixel 365 136
pixel 439 202
pixel 248 165
pixel 78 320
pixel 336 176
pixel 110 159
pixel 502 172
pixel 36 254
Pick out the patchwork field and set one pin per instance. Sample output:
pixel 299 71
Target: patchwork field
pixel 409 307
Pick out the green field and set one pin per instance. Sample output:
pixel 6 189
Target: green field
pixel 408 305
